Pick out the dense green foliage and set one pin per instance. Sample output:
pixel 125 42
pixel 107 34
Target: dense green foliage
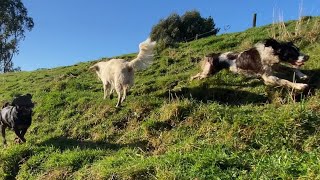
pixel 225 127
pixel 14 21
pixel 189 26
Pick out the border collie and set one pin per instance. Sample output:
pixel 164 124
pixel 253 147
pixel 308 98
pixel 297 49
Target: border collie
pixel 118 74
pixel 259 61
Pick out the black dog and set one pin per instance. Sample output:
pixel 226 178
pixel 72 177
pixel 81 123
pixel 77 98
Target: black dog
pixel 17 116
pixel 260 61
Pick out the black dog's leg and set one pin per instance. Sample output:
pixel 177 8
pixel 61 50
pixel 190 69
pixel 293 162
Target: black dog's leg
pixel 3 132
pixel 20 136
pixel 22 133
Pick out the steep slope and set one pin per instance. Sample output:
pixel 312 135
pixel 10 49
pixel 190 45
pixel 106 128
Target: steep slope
pixel 227 126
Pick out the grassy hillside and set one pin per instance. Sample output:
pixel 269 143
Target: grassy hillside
pixel 227 126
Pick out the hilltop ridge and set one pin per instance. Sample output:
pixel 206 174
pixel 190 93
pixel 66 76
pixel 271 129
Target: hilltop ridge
pixel 227 126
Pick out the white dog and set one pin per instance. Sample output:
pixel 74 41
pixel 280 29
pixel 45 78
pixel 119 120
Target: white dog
pixel 118 74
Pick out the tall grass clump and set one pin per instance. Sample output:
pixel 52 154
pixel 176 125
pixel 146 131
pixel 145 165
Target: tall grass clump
pixel 304 29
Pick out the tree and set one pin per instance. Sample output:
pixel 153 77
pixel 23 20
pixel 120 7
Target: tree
pixel 167 31
pixel 175 29
pixel 14 21
pixel 194 24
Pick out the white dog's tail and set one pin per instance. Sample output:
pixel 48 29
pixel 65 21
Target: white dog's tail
pixel 145 56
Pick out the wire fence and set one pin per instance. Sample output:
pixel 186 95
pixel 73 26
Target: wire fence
pixel 198 36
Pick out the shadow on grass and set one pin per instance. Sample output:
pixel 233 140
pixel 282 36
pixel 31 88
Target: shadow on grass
pixel 314 78
pixel 287 73
pixel 230 96
pixel 64 143
pixel 220 95
pixel 313 82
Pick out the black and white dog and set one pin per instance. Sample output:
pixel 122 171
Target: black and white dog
pixel 17 116
pixel 259 61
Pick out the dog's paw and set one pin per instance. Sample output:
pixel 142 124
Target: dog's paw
pixel 197 76
pixel 17 140
pixel 305 77
pixel 192 78
pixel 300 86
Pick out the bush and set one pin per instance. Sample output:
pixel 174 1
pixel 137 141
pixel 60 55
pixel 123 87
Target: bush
pixel 176 29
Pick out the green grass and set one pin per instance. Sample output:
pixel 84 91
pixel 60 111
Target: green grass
pixel 225 127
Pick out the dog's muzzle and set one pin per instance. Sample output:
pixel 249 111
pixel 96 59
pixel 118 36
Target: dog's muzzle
pixel 301 60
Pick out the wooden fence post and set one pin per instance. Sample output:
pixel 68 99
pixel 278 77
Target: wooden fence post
pixel 254 22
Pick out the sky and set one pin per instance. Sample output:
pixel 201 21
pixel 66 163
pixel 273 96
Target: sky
pixel 67 32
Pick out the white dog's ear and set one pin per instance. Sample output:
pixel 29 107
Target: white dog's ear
pixel 94 67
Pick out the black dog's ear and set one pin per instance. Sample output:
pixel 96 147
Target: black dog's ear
pixel 29 95
pixel 272 42
pixel 290 43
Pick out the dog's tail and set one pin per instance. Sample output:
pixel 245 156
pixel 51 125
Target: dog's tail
pixel 145 56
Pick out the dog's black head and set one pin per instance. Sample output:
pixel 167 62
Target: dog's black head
pixel 24 111
pixel 287 52
pixel 23 104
